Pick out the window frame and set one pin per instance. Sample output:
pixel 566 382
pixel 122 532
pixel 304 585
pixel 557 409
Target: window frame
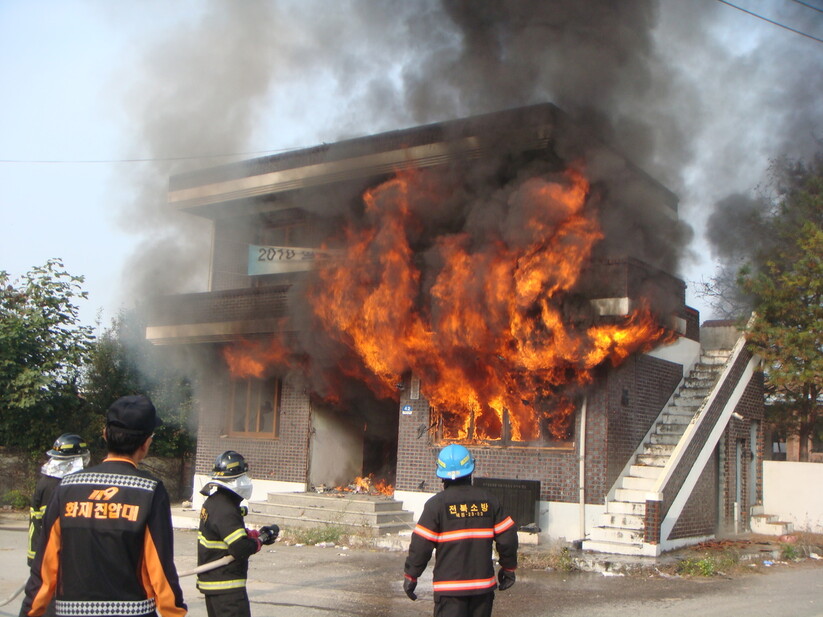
pixel 257 392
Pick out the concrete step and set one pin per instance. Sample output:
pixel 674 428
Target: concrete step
pixel 347 502
pixel 668 439
pixel 768 525
pixel 644 471
pixel 630 495
pixel 660 449
pixel 677 419
pixel 704 373
pixel 685 405
pixel 361 513
pixel 333 517
pixel 638 484
pixel 713 359
pixel 626 507
pixel 670 429
pixel 626 521
pixel 376 529
pixel 617 548
pixel 698 385
pixel 652 460
pixel 616 535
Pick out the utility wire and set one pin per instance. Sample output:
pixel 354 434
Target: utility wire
pixel 776 23
pixel 806 4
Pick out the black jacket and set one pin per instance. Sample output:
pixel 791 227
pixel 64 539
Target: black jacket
pixel 39 502
pixel 107 547
pixel 223 532
pixel 461 523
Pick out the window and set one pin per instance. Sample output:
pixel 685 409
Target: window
pixel 555 430
pixel 254 407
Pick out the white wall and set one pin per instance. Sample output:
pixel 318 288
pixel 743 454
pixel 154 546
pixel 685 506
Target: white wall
pixel 793 492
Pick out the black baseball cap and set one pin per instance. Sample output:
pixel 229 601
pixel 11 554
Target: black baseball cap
pixel 135 413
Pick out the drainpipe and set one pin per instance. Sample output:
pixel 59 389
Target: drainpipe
pixel 582 469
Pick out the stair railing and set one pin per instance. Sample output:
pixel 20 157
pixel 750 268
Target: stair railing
pixel 675 494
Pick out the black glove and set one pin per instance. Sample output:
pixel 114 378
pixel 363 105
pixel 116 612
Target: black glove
pixel 505 579
pixel 269 533
pixel 409 585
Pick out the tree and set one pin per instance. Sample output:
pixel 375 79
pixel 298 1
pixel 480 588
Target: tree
pixel 784 278
pixel 42 349
pixel 122 362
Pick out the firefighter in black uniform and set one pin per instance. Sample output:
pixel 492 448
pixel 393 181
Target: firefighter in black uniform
pixel 107 547
pixel 68 454
pixel 223 533
pixel 460 523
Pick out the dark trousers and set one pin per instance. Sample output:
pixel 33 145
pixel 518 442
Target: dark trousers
pixel 464 606
pixel 231 604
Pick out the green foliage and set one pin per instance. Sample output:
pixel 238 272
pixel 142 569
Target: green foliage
pixel 786 282
pixel 42 349
pixel 723 562
pixel 19 500
pixel 122 362
pixel 313 535
pixel 789 552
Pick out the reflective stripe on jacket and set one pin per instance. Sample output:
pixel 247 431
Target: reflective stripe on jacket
pixel 223 532
pixel 462 523
pixel 107 547
pixel 43 491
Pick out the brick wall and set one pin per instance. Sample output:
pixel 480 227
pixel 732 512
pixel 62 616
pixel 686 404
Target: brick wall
pixel 636 393
pixel 283 459
pixel 738 431
pixel 699 516
pixel 612 433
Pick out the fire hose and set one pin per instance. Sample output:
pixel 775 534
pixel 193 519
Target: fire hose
pixel 14 594
pixel 271 536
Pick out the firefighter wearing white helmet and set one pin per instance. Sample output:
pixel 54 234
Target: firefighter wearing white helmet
pixel 460 524
pixel 223 532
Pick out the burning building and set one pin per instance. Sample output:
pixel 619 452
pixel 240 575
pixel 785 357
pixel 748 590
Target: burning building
pixel 499 281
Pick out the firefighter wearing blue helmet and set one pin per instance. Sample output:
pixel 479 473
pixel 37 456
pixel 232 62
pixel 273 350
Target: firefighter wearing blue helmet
pixel 460 524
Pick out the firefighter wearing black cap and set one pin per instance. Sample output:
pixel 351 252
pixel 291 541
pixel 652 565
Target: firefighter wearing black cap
pixel 68 454
pixel 223 533
pixel 460 523
pixel 107 547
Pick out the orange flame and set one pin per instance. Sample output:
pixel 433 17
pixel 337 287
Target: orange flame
pixel 485 332
pixel 254 358
pixel 367 485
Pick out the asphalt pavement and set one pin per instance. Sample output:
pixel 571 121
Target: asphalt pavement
pixel 311 581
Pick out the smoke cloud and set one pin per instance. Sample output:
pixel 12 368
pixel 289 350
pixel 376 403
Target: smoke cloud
pixel 698 96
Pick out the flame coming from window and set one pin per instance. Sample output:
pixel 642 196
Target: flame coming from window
pixel 248 358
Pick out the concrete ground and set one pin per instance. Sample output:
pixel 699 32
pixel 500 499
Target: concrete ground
pixel 303 581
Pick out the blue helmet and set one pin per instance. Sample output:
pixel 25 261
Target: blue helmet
pixel 454 461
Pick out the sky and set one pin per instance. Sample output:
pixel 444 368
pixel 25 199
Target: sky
pixel 102 101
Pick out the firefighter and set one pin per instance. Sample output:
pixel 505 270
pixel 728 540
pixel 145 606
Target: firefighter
pixel 107 546
pixel 68 454
pixel 459 524
pixel 223 533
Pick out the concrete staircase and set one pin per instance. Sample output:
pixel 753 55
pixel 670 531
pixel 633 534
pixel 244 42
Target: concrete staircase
pixel 768 524
pixel 621 528
pixel 355 513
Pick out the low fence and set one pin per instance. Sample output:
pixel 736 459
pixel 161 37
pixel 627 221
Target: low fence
pixel 792 491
